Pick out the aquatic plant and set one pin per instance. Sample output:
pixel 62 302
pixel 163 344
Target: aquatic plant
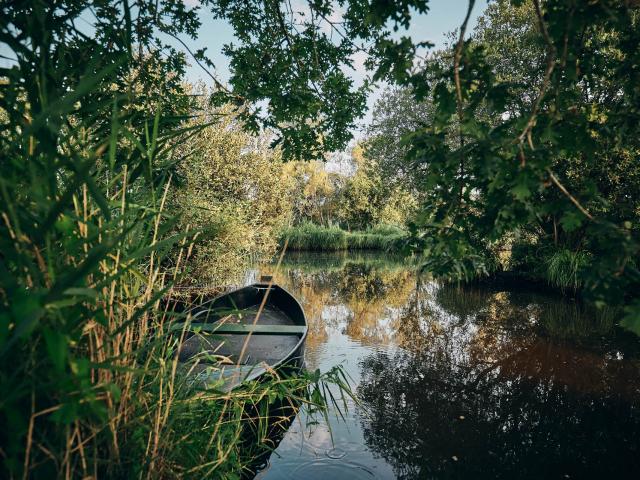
pixel 564 268
pixel 313 237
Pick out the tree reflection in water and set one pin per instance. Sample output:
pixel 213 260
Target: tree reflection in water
pixel 461 382
pixel 480 392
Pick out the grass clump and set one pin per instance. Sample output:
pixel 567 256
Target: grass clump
pixel 311 237
pixel 563 268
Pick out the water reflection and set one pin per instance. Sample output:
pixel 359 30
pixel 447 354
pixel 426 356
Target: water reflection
pixel 459 382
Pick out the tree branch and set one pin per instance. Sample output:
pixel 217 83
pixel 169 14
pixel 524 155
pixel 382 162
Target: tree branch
pixel 551 62
pixel 557 183
pixel 456 75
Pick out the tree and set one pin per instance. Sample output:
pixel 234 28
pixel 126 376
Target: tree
pixel 295 59
pixel 361 199
pixel 232 188
pixel 517 142
pixel 312 191
pixel 395 115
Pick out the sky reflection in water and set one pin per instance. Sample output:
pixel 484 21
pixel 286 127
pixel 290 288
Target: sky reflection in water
pixel 459 382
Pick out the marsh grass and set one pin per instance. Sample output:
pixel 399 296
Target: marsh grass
pixel 564 267
pixel 313 237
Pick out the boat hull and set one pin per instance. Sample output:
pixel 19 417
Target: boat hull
pixel 242 335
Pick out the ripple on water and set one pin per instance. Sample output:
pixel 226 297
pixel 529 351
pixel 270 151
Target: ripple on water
pixel 324 468
pixel 336 453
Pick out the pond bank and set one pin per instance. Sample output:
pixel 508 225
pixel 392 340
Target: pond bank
pixel 556 271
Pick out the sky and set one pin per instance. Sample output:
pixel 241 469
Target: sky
pixel 443 17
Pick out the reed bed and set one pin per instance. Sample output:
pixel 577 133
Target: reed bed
pixel 563 269
pixel 313 237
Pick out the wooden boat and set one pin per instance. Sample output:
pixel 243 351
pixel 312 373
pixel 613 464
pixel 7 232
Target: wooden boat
pixel 241 335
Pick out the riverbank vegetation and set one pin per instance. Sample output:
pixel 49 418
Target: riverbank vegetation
pixel 123 185
pixel 119 182
pixel 530 166
pixel 309 236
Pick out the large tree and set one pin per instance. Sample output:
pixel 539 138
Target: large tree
pixel 534 126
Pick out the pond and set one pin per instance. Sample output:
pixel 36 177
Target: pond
pixel 458 382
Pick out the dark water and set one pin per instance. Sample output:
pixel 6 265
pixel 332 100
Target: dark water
pixel 459 382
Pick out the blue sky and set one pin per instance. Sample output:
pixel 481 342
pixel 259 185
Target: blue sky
pixel 444 16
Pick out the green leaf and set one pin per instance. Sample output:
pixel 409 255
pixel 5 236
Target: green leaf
pixel 571 221
pixel 631 319
pixel 84 292
pixel 521 191
pixel 57 348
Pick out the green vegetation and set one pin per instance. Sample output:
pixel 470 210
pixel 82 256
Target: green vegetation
pixel 241 195
pixel 564 268
pixel 543 150
pixel 317 238
pixel 119 183
pixel 106 163
pixel 354 201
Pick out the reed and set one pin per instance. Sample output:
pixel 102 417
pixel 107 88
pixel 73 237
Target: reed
pixel 313 237
pixel 563 268
pixel 90 383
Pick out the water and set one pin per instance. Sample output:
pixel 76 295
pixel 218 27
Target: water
pixel 459 382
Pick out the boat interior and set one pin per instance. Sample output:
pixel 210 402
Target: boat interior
pixel 220 329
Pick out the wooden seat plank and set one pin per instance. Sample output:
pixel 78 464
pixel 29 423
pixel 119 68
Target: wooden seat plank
pixel 243 329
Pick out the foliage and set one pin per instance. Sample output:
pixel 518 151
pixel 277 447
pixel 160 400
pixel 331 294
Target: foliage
pixel 313 191
pixel 366 199
pixel 564 268
pixel 82 177
pixel 363 198
pixel 395 115
pixel 231 184
pixel 89 247
pixel 296 59
pixel 543 145
pixel 358 200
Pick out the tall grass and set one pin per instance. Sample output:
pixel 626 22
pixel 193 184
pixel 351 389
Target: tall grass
pixel 312 237
pixel 563 268
pixel 90 384
pixel 309 236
